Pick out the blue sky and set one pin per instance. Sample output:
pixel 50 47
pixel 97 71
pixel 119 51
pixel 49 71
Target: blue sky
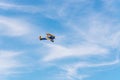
pixel 86 45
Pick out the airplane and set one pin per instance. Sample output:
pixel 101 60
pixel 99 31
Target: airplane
pixel 48 37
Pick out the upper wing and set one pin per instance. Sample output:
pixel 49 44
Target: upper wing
pixel 48 34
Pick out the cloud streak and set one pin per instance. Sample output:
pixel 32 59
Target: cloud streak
pixel 75 51
pixel 72 71
pixel 22 8
pixel 9 62
pixel 13 27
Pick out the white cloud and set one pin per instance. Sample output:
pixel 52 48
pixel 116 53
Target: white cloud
pixel 86 65
pixel 73 69
pixel 71 73
pixel 13 27
pixel 98 29
pixel 18 7
pixel 50 9
pixel 59 52
pixel 6 5
pixel 9 62
pixel 64 10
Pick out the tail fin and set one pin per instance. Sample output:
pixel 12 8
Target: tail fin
pixel 40 37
